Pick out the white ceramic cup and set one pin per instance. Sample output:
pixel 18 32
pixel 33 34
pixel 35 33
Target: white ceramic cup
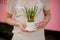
pixel 31 26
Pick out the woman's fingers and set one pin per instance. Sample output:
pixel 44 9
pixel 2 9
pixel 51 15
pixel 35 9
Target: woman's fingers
pixel 22 28
pixel 24 25
pixel 40 24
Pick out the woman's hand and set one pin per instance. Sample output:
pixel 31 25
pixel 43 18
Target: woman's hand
pixel 22 26
pixel 42 24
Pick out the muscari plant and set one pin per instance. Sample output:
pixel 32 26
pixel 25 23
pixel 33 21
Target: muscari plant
pixel 30 13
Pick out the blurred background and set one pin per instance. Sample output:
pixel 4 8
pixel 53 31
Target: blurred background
pixel 52 30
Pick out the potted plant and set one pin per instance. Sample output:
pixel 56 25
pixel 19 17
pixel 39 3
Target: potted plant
pixel 30 14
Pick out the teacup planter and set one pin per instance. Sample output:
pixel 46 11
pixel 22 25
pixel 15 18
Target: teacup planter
pixel 31 26
pixel 30 14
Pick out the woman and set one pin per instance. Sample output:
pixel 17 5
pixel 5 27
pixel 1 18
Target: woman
pixel 14 7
